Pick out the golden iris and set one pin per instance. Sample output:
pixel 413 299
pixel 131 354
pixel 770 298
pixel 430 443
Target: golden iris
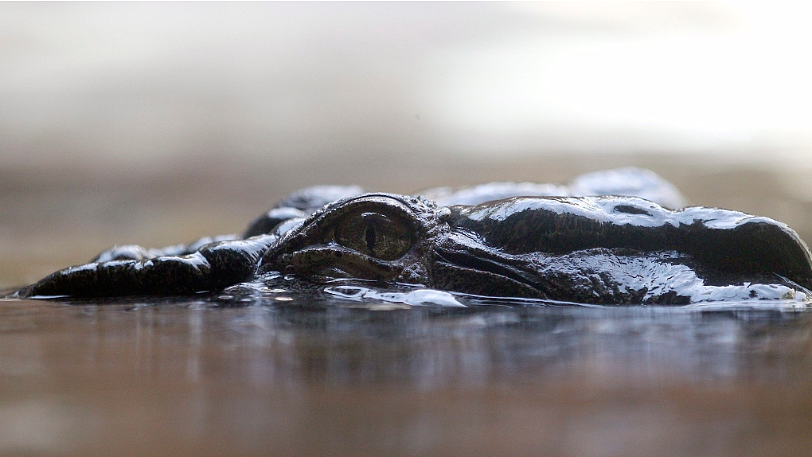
pixel 385 237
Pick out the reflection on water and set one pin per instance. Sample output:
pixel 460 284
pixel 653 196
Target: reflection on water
pixel 344 376
pixel 430 347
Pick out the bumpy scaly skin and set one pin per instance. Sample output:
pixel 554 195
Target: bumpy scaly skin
pixel 609 250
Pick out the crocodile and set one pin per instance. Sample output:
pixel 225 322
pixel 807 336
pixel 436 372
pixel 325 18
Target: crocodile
pixel 611 237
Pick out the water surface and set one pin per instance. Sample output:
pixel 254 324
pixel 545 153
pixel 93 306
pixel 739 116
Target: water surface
pixel 211 374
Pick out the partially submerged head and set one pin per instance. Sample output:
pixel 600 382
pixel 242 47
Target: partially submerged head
pixel 542 247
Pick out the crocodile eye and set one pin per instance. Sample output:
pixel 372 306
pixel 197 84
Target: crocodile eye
pixel 386 237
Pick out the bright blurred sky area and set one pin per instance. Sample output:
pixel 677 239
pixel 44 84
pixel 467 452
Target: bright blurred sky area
pixel 141 84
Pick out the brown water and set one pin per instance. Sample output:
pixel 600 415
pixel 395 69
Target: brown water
pixel 332 378
pixel 335 377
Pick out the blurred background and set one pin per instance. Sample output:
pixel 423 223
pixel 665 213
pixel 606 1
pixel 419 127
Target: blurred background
pixel 158 123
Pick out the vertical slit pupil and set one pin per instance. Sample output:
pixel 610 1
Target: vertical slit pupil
pixel 369 234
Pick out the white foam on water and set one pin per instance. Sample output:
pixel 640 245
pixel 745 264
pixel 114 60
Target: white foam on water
pixel 419 297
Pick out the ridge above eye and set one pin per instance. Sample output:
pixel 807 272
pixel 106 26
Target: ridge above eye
pixel 383 235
